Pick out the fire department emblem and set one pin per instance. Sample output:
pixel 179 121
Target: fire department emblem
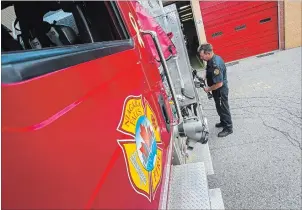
pixel 142 152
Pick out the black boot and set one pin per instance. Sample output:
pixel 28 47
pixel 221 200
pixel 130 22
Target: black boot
pixel 225 132
pixel 219 125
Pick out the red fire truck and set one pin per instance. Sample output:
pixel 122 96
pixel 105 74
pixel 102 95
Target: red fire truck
pixel 87 121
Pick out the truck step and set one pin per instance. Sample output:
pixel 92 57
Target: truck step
pixel 189 187
pixel 216 199
pixel 201 153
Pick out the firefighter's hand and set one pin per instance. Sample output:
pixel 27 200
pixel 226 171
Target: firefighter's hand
pixel 206 89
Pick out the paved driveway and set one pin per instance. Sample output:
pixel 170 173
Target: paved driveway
pixel 259 165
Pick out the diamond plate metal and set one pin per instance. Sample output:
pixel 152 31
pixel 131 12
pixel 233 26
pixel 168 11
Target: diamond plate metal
pixel 168 19
pixel 154 7
pixel 174 25
pixel 189 187
pixel 201 153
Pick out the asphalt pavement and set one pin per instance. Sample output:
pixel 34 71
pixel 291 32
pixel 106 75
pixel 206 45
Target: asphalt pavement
pixel 259 165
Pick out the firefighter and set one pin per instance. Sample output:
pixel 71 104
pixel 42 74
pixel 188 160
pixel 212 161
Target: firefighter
pixel 216 77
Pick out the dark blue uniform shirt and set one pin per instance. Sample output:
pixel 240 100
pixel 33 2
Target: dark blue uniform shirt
pixel 216 71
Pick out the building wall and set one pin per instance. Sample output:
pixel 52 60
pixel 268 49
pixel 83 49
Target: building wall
pixel 198 21
pixel 281 25
pixel 292 23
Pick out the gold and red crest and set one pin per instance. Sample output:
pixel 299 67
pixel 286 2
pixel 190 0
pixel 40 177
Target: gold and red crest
pixel 142 152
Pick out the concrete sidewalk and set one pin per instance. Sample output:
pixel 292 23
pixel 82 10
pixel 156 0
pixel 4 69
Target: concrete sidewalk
pixel 259 165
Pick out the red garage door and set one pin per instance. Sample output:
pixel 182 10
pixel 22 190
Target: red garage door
pixel 240 29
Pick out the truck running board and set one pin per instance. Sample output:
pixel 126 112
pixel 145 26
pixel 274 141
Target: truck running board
pixel 189 189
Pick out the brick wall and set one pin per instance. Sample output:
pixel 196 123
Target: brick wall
pixel 292 23
pixel 281 25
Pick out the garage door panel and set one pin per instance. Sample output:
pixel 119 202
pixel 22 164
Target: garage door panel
pixel 250 52
pixel 246 49
pixel 255 18
pixel 243 28
pixel 269 35
pixel 243 35
pixel 234 17
pixel 245 38
pixel 207 5
pixel 261 41
pixel 231 14
pixel 217 7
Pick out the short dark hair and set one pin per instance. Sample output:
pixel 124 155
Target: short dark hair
pixel 206 47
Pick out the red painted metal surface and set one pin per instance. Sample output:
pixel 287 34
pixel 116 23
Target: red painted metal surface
pixel 239 29
pixel 147 22
pixel 59 133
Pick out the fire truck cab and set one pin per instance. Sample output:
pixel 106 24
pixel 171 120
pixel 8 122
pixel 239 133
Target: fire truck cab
pixel 89 116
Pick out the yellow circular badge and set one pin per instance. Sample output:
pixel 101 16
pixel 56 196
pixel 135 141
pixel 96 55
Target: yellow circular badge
pixel 216 71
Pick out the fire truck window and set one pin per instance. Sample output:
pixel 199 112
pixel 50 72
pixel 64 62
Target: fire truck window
pixel 37 25
pixel 104 21
pixel 60 17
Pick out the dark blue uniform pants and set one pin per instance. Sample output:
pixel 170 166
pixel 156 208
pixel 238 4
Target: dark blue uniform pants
pixel 222 106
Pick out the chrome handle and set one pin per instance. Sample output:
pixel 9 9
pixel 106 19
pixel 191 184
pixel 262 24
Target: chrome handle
pixel 165 67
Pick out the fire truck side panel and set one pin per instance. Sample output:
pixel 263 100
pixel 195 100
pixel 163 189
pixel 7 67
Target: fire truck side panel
pixel 151 72
pixel 64 140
